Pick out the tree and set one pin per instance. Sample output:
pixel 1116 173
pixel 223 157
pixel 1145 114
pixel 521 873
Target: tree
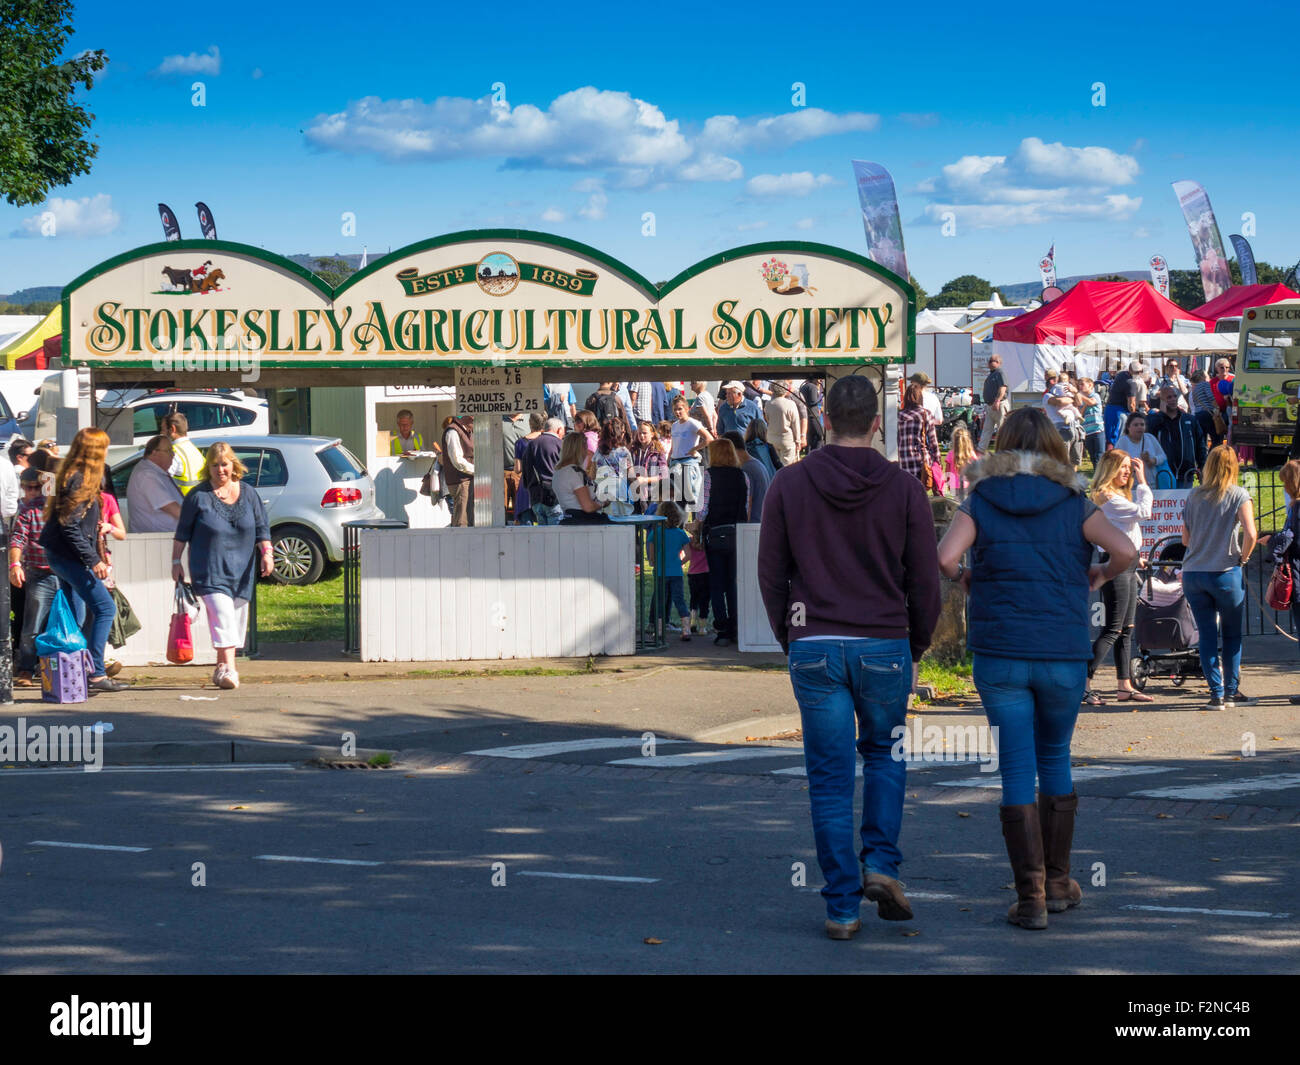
pixel 961 291
pixel 332 271
pixel 921 295
pixel 1112 277
pixel 43 131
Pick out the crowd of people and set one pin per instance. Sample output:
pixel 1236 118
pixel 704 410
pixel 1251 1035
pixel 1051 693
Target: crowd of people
pixel 62 514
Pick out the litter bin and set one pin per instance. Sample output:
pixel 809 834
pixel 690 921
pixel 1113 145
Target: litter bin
pixel 352 578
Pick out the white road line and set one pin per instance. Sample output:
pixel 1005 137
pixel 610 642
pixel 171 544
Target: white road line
pixel 924 896
pixel 544 750
pixel 316 861
pixel 222 767
pixel 1225 789
pixel 917 766
pixel 731 754
pixel 1213 913
pixel 1085 772
pixel 86 846
pixel 592 876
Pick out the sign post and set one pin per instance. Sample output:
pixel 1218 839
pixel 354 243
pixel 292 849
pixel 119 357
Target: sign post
pixel 490 394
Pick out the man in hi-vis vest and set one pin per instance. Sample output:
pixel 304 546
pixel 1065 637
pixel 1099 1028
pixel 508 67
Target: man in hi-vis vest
pixel 187 460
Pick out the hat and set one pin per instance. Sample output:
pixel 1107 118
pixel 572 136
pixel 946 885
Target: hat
pixel 30 475
pixel 1135 367
pixel 920 378
pixel 733 384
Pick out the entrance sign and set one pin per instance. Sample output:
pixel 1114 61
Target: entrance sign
pixel 490 297
pixel 498 390
pixel 1166 516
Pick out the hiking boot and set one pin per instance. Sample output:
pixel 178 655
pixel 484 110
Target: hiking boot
pixel 887 894
pixel 839 930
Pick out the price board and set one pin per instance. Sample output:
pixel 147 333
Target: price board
pixel 498 390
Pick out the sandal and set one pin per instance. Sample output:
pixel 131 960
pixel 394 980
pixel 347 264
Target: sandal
pixel 1091 698
pixel 1133 697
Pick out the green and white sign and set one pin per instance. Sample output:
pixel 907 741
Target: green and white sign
pixel 504 298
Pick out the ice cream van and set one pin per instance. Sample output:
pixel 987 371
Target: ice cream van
pixel 1266 389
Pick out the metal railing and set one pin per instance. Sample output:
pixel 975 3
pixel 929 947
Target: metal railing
pixel 651 588
pixel 352 578
pixel 1270 515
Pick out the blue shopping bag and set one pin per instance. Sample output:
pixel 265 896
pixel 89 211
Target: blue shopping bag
pixel 62 634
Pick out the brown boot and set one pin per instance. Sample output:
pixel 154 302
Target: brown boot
pixel 1056 816
pixel 1024 839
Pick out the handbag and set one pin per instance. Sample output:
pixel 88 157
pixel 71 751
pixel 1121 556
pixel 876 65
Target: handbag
pixel 1280 587
pixel 720 538
pixel 426 482
pixel 180 637
pixel 125 623
pixel 1220 426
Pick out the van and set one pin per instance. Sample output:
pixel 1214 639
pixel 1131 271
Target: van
pixel 1266 388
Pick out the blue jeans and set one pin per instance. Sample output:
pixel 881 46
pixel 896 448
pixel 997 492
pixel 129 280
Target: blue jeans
pixel 90 600
pixel 1033 704
pixel 675 594
pixel 544 515
pixel 1217 600
pixel 852 689
pixel 40 588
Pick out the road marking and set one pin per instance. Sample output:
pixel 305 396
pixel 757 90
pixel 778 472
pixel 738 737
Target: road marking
pixel 1213 913
pixel 924 896
pixel 592 876
pixel 731 754
pixel 316 861
pixel 1225 789
pixel 916 766
pixel 544 750
pixel 86 846
pixel 221 767
pixel 1085 772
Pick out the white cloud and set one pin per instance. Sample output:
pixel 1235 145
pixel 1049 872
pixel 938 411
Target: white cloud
pixel 804 223
pixel 745 227
pixel 727 132
pixel 208 62
pixel 1039 182
pixel 920 120
pixel 594 209
pixel 552 214
pixel 799 184
pixel 90 216
pixel 631 140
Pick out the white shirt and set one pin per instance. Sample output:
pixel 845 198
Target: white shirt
pixel 8 489
pixel 931 403
pixel 1128 516
pixel 149 490
pixel 565 483
pixel 1149 448
pixel 455 453
pixel 686 437
pixel 1058 415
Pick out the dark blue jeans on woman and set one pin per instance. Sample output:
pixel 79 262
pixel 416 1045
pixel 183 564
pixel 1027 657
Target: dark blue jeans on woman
pixel 90 600
pixel 1217 601
pixel 1033 703
pixel 847 690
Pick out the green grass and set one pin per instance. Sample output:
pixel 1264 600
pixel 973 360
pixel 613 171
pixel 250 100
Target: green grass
pixel 288 613
pixel 947 679
pixel 1265 488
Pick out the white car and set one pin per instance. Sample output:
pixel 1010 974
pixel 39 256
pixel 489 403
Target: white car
pixel 211 416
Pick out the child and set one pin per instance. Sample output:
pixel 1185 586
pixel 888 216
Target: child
pixel 675 541
pixel 698 569
pixel 963 453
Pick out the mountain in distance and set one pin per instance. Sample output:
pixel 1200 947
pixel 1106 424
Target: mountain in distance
pixel 354 261
pixel 1028 290
pixel 38 294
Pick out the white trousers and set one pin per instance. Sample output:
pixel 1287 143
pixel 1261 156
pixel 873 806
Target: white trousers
pixel 227 619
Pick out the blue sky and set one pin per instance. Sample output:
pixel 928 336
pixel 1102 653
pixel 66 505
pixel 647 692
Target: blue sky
pixel 683 110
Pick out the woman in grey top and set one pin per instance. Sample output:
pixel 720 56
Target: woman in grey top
pixel 1212 571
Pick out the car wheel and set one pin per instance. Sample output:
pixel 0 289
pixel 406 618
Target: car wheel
pixel 298 554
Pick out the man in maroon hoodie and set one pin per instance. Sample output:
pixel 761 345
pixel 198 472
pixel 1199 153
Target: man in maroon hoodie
pixel 849 572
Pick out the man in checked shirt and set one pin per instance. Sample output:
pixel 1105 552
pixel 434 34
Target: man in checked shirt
pixel 29 569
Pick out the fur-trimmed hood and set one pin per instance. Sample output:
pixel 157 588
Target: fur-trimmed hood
pixel 1023 482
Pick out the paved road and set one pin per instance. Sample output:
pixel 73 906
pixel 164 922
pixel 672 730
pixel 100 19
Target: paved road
pixel 596 860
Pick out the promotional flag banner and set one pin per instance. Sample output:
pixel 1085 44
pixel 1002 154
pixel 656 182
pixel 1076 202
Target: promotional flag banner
pixel 206 223
pixel 880 219
pixel 1047 267
pixel 1245 259
pixel 1206 241
pixel 1160 275
pixel 171 228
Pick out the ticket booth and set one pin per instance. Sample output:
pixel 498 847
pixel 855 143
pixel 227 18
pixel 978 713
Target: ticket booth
pixel 498 312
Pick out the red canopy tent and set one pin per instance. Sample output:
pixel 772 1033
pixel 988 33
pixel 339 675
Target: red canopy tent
pixel 1232 303
pixel 1044 339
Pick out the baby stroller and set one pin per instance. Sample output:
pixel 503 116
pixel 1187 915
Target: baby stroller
pixel 1166 641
